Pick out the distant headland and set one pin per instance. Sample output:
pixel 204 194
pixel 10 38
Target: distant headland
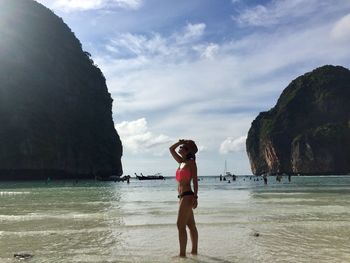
pixel 55 109
pixel 308 130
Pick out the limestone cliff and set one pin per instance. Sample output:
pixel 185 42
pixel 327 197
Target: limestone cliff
pixel 55 109
pixel 308 131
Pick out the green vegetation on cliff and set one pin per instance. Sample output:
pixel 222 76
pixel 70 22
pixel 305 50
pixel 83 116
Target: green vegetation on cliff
pixel 308 131
pixel 55 109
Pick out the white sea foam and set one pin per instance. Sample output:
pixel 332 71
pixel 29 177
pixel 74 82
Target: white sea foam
pixel 2 193
pixel 57 232
pixel 45 216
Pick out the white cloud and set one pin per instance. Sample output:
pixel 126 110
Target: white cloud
pixel 177 47
pixel 256 16
pixel 77 4
pixel 191 33
pixel 82 5
pixel 138 45
pixel 341 29
pixel 231 144
pixel 128 4
pixel 137 137
pixel 207 50
pixel 281 11
pixel 133 43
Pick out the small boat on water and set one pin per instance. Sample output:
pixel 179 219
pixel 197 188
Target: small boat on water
pixel 113 178
pixel 156 176
pixel 227 174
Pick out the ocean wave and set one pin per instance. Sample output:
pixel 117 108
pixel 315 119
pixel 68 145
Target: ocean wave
pixel 57 232
pixel 13 193
pixel 38 216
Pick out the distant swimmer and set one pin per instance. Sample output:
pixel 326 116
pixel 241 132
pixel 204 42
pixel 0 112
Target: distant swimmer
pixel 265 178
pixel 278 177
pixel 188 199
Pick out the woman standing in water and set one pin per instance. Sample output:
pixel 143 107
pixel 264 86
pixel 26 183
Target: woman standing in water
pixel 186 173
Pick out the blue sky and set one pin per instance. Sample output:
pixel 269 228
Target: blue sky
pixel 202 69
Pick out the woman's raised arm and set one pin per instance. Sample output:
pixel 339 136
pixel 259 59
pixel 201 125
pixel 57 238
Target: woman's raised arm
pixel 173 152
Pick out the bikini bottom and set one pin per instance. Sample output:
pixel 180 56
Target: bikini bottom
pixel 184 194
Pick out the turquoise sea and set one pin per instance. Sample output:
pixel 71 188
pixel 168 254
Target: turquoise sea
pixel 305 220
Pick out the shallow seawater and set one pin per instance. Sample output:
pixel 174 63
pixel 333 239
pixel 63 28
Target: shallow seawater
pixel 305 220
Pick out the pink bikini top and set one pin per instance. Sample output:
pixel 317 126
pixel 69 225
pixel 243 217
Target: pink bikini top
pixel 183 174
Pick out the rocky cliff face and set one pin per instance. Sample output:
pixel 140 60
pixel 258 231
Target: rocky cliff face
pixel 55 109
pixel 308 131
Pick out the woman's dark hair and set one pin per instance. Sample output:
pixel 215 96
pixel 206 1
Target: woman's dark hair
pixel 190 156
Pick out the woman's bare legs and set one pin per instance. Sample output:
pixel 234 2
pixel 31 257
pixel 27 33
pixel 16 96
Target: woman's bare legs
pixel 194 233
pixel 183 216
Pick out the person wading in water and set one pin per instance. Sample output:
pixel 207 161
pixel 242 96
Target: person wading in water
pixel 186 172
